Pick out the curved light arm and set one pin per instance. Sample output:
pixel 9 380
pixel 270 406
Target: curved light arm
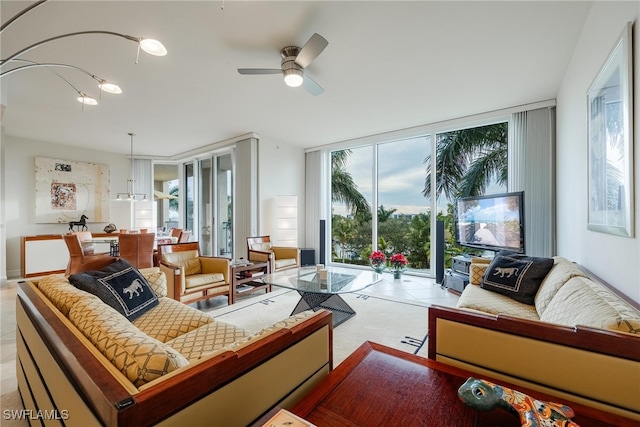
pixel 18 15
pixel 102 83
pixel 48 65
pixel 159 49
pixel 82 97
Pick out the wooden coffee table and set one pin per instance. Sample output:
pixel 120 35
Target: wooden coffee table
pixel 381 386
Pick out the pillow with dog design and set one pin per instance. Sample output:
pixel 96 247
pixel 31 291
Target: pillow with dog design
pixel 119 285
pixel 515 275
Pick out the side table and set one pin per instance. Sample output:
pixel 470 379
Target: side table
pixel 378 385
pixel 245 279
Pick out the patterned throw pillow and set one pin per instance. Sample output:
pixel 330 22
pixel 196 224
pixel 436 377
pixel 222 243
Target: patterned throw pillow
pixel 516 276
pixel 119 285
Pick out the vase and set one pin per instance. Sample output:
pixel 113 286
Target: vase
pixel 378 267
pixel 397 272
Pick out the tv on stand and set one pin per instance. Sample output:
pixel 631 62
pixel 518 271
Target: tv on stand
pixel 491 222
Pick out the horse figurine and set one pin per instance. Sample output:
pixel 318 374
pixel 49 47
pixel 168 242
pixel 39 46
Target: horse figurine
pixel 484 396
pixel 82 223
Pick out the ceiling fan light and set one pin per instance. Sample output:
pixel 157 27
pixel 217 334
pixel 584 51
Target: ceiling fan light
pixel 86 100
pixel 293 77
pixel 153 47
pixel 110 87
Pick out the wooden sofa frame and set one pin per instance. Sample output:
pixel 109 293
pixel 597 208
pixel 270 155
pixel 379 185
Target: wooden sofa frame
pixel 595 367
pixel 59 371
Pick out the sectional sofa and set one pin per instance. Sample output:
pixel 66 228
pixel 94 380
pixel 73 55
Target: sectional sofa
pixel 81 363
pixel 579 339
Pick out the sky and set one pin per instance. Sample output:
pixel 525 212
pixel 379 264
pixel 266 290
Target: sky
pixel 401 174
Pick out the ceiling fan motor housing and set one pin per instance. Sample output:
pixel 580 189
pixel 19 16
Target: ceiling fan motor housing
pixel 292 72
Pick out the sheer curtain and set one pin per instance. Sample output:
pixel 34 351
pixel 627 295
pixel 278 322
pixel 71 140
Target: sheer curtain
pixel 532 170
pixel 315 199
pixel 245 206
pixel 143 175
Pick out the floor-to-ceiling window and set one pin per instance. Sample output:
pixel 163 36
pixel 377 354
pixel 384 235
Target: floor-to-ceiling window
pixel 224 205
pixel 214 205
pixel 351 193
pixel 382 195
pixel 205 216
pixel 403 212
pixel 166 194
pixel 190 191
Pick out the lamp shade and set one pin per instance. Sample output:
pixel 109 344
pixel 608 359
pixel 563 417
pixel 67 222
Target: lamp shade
pixel 293 77
pixel 86 100
pixel 110 87
pixel 153 47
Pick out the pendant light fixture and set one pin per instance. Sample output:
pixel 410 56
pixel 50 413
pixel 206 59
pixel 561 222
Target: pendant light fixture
pixel 131 195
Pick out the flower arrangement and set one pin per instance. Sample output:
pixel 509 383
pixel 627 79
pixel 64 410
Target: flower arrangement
pixel 377 260
pixel 398 262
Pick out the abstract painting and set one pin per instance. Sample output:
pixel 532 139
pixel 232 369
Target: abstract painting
pixel 65 190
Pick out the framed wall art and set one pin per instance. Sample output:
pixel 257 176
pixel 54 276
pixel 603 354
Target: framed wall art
pixel 610 142
pixel 66 190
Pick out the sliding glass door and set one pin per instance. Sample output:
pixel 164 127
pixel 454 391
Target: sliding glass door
pixel 224 205
pixel 215 205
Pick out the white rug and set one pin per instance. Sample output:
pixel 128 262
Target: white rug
pixel 385 321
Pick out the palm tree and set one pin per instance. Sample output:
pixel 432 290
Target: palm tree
pixel 468 160
pixel 343 189
pixel 385 214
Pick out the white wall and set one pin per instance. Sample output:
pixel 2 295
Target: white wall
pixel 19 178
pixel 615 259
pixel 281 173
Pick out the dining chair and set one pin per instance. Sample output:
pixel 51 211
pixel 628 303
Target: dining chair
pixel 79 261
pixel 137 249
pixel 88 247
pixel 184 236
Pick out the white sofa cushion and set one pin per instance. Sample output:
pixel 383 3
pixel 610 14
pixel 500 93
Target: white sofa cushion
pixel 581 301
pixel 476 298
pixel 560 273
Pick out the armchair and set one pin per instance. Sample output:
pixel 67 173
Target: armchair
pixel 259 249
pixel 192 277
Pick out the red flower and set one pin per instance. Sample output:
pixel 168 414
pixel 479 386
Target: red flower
pixel 398 261
pixel 377 257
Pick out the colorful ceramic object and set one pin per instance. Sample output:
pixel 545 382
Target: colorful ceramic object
pixel 484 396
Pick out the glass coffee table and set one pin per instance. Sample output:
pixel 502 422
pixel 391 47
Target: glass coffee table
pixel 316 293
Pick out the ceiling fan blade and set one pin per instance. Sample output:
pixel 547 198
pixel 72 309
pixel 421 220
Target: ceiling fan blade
pixel 311 49
pixel 312 86
pixel 250 71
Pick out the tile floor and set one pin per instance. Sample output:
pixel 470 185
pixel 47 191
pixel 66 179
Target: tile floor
pixel 414 288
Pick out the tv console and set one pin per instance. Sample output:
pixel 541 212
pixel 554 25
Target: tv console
pixel 457 277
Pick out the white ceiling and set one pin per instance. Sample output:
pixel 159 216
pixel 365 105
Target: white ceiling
pixel 389 65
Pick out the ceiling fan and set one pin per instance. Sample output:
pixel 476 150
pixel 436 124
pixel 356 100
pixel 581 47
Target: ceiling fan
pixel 294 61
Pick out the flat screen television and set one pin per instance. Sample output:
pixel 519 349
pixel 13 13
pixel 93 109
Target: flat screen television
pixel 491 222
